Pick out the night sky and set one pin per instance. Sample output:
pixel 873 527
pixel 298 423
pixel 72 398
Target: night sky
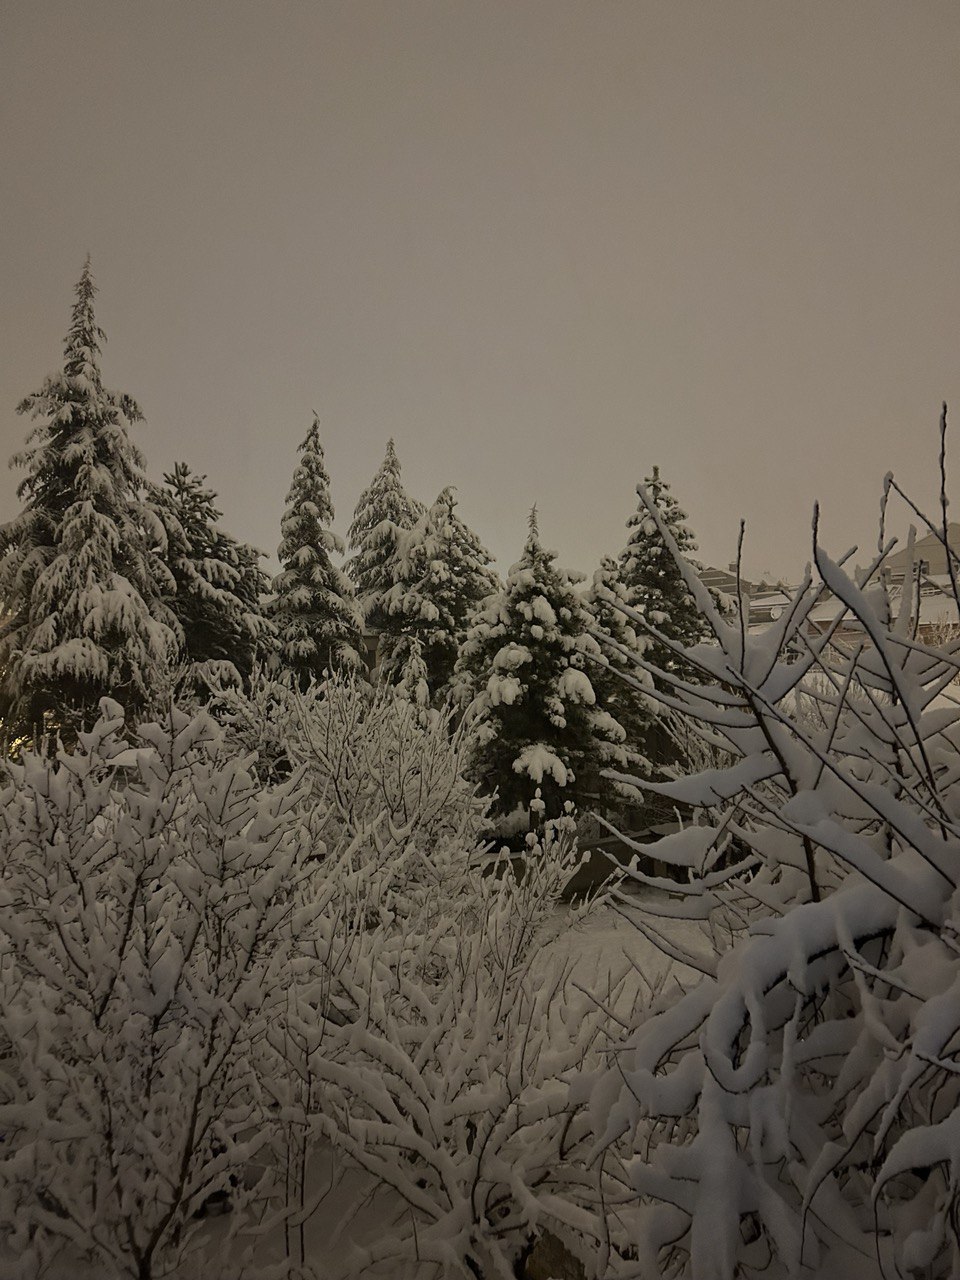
pixel 545 245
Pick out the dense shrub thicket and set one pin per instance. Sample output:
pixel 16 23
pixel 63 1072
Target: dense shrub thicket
pixel 204 976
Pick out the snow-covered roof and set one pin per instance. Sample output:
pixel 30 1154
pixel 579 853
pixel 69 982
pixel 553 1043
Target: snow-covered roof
pixel 937 605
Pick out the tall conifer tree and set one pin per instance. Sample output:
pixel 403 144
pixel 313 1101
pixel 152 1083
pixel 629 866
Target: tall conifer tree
pixel 615 677
pixel 219 582
pixel 81 571
pixel 316 616
pixel 651 578
pixel 383 511
pixel 442 575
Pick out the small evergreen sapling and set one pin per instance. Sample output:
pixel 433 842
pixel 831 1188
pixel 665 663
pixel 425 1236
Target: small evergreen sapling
pixel 81 568
pixel 316 615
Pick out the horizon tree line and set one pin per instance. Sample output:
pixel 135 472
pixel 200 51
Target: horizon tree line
pixel 113 585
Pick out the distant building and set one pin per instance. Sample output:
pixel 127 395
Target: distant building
pixel 931 554
pixel 765 602
pixel 725 581
pixel 369 642
pixel 938 620
pixel 761 602
pixel 768 603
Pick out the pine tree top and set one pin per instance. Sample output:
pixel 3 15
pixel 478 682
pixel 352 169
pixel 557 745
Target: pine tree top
pixel 391 462
pixel 383 511
pixel 668 508
pixel 442 519
pixel 309 510
pixel 192 493
pixel 535 559
pixel 650 574
pixel 318 625
pixel 383 499
pixel 440 566
pixel 81 347
pixel 83 425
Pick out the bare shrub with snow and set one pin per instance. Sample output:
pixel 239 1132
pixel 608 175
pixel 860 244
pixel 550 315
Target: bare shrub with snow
pixel 430 1047
pixel 449 1083
pixel 148 910
pixel 802 1099
pixel 384 775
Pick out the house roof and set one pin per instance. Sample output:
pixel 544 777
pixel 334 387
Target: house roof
pixel 937 606
pixel 929 549
pixel 725 580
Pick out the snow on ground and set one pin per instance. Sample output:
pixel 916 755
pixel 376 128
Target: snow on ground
pixel 604 945
pixel 347 1209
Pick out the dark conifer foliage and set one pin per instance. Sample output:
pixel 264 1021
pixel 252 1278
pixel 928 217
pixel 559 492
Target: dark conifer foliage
pixel 443 574
pixel 616 677
pixel 653 582
pixel 524 664
pixel 219 582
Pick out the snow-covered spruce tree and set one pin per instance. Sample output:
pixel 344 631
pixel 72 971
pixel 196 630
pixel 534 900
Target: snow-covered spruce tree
pixel 219 582
pixel 622 688
pixel 384 509
pixel 523 664
pixel 443 574
pixel 81 568
pixel 314 609
pixel 654 584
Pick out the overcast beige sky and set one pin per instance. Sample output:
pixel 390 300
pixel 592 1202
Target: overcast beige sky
pixel 544 244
